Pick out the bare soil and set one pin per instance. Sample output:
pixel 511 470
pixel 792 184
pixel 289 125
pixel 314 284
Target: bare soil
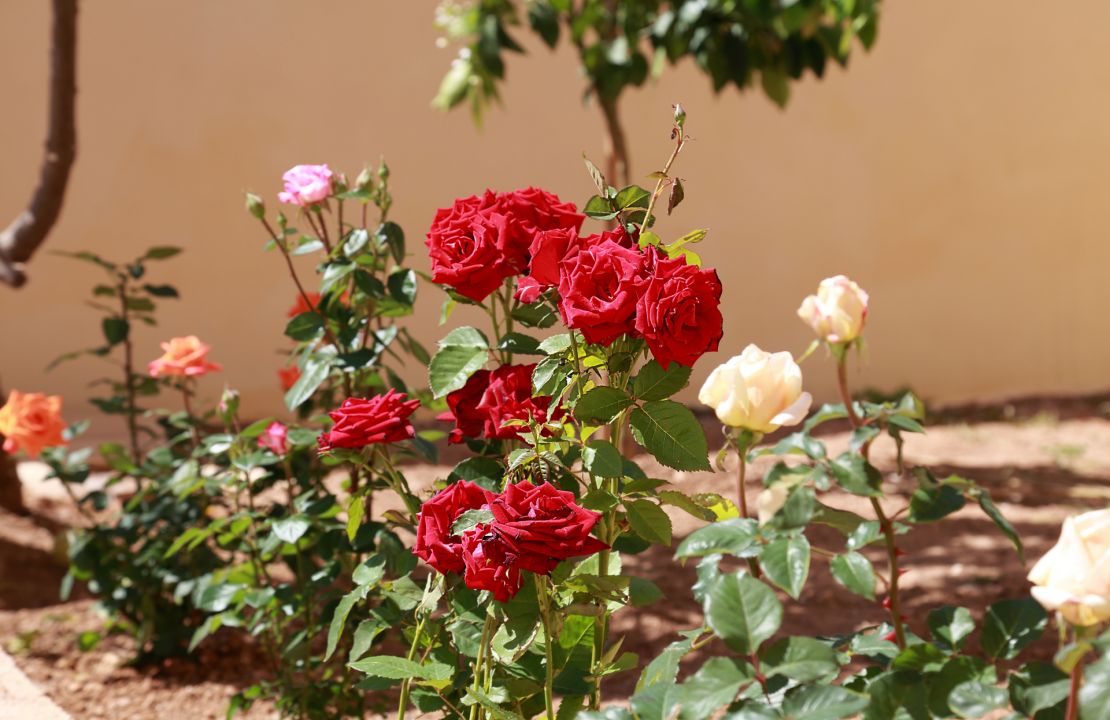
pixel 1040 465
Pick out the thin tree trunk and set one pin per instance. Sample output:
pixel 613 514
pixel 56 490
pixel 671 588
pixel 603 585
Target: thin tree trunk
pixel 616 146
pixel 20 240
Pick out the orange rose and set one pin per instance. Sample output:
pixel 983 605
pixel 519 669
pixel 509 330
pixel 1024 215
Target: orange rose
pixel 183 356
pixel 31 422
pixel 302 307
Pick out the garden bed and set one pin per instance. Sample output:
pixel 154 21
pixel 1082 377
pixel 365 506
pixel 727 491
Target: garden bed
pixel 1039 469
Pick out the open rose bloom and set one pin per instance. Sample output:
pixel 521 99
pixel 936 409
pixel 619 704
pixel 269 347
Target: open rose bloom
pixel 307 185
pixel 837 312
pixel 183 357
pixel 757 391
pixel 31 422
pixel 1073 578
pixel 361 422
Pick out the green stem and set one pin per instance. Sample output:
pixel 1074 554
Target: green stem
pixel 742 496
pixel 476 708
pixel 680 141
pixel 403 704
pixel 545 614
pixel 885 524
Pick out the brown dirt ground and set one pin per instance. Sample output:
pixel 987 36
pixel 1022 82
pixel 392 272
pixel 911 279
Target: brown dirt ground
pixel 1042 464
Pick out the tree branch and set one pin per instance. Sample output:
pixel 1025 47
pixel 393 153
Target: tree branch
pixel 20 240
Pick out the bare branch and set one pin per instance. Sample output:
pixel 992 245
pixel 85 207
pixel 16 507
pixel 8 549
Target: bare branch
pixel 20 240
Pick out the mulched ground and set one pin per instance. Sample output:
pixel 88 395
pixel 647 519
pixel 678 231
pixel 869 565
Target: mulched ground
pixel 1041 460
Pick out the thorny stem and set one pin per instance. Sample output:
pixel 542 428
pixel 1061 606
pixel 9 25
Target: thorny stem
pixel 186 396
pixel 741 494
pixel 885 523
pixel 545 615
pixel 679 142
pixel 1073 692
pixel 478 663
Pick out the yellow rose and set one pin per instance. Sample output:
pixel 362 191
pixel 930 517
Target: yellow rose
pixel 757 391
pixel 838 310
pixel 1073 577
pixel 31 422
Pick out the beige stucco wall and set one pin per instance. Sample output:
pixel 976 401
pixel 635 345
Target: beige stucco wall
pixel 961 172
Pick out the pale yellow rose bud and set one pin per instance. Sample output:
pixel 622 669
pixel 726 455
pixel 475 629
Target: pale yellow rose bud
pixel 770 501
pixel 837 312
pixel 1073 577
pixel 757 391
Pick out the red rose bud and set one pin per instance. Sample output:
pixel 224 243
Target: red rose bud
pixel 678 312
pixel 380 419
pixel 599 288
pixel 435 544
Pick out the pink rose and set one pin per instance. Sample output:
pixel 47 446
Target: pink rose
pixel 275 438
pixel 183 356
pixel 306 185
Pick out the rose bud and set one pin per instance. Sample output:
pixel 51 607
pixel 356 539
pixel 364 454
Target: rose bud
pixel 757 391
pixel 1073 578
pixel 255 206
pixel 31 422
pixel 837 312
pixel 275 438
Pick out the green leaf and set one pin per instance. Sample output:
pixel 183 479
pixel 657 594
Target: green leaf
pixel 975 700
pixel 712 687
pixel 115 329
pixel 519 343
pixel 951 626
pixel 291 529
pixel 664 668
pixel 165 291
pixel 313 375
pixel 398 668
pixel 643 592
pixel 461 353
pixel 728 537
pixel 1001 522
pixel 601 459
pixel 601 405
pixel 339 617
pixel 514 636
pixel 671 433
pixel 854 572
pixel 786 563
pixel 856 475
pixel 681 501
pixel 921 657
pixel 929 504
pixel 649 521
pixel 355 512
pixel 655 383
pixel 742 611
pixel 823 702
pixel 656 702
pixel 161 252
pixel 1039 686
pixel 470 519
pixel 1010 625
pixel 545 21
pixel 305 326
pixel 802 659
pixel 392 236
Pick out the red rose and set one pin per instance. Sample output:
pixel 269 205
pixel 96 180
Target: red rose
pixel 508 396
pixel 550 249
pixel 679 311
pixel 533 211
pixel 288 376
pixel 359 422
pixel 435 543
pixel 534 527
pixel 463 408
pixel 598 290
pixel 481 408
pixel 302 306
pixel 464 244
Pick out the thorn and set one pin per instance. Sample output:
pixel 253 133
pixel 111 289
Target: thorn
pixel 899 552
pixel 886 603
pixel 902 571
pixel 891 636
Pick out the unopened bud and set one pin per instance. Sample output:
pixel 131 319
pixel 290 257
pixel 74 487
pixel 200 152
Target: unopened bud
pixel 383 171
pixel 365 179
pixel 255 206
pixel 679 116
pixel 229 405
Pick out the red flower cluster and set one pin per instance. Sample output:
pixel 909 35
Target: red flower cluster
pixel 480 241
pixel 533 527
pixel 359 422
pixel 490 399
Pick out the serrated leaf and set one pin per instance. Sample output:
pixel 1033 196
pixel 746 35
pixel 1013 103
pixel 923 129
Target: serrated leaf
pixel 786 563
pixel 672 434
pixel 742 611
pixel 854 572
pixel 802 659
pixel 601 459
pixel 461 353
pixel 712 687
pixel 655 383
pixel 951 626
pixel 601 405
pixel 728 537
pixel 1010 625
pixel 649 521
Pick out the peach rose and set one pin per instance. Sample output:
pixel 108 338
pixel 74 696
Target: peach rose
pixel 31 422
pixel 1073 578
pixel 184 357
pixel 757 391
pixel 838 310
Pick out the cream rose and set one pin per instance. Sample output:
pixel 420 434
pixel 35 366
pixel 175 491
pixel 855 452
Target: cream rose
pixel 1073 577
pixel 770 501
pixel 837 312
pixel 757 391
